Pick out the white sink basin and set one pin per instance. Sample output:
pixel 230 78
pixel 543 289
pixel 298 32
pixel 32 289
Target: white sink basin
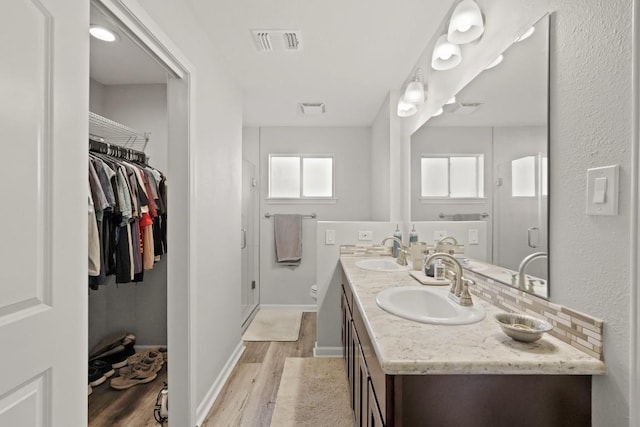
pixel 427 305
pixel 381 264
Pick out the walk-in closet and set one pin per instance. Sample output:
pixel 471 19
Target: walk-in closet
pixel 128 219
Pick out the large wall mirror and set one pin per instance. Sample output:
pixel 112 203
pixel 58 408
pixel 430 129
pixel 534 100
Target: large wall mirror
pixel 486 158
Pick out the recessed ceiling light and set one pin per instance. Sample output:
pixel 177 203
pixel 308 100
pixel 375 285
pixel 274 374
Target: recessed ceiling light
pixel 102 33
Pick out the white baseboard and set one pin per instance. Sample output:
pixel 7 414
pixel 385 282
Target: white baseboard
pixel 209 399
pixel 327 351
pixel 292 307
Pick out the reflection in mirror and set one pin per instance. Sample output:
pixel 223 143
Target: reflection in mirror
pixel 488 153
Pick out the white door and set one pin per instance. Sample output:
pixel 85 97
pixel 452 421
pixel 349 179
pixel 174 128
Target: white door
pixel 44 76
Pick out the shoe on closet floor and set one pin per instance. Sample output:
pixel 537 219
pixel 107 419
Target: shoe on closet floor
pixel 119 359
pixel 104 367
pixel 110 342
pixel 132 376
pixel 96 377
pixel 89 391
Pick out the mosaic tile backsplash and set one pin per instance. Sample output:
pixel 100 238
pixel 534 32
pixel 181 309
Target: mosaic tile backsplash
pixel 579 330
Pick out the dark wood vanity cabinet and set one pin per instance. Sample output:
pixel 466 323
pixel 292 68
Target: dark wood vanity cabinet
pixel 366 410
pixel 380 400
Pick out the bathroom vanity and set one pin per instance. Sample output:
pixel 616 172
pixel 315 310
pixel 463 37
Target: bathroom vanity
pixel 405 373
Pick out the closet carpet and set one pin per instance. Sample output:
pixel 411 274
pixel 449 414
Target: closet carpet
pixel 249 395
pixel 127 408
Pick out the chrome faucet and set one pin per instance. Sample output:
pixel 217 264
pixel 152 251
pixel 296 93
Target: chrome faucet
pixel 459 291
pixel 522 281
pixel 445 242
pixel 403 251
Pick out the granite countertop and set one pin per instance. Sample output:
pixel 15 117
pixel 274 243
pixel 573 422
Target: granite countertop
pixel 405 347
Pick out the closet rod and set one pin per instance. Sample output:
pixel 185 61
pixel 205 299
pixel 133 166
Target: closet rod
pixel 98 145
pixel 312 215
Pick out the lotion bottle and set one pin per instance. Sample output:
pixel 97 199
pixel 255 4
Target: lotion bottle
pixel 413 236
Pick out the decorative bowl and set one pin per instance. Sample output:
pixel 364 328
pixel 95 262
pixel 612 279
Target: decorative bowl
pixel 521 327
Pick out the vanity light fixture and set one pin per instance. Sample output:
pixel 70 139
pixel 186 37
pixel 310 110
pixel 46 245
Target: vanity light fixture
pixel 495 62
pixel 451 101
pixel 414 93
pixel 446 55
pixel 466 24
pixel 406 109
pixel 102 33
pixel 526 35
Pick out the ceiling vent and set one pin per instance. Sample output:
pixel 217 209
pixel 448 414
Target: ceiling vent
pixel 462 108
pixel 277 40
pixel 312 108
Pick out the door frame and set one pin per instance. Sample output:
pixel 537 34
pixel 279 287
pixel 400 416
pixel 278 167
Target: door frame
pixel 634 254
pixel 181 267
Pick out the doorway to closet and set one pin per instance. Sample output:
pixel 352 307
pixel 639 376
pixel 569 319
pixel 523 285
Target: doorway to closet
pixel 128 304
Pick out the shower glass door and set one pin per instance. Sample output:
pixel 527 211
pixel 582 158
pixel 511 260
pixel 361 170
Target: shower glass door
pixel 520 213
pixel 249 261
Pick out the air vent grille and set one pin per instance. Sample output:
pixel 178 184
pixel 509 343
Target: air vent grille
pixel 312 108
pixel 277 40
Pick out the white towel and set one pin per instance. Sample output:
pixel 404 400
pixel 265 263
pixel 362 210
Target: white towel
pixel 288 237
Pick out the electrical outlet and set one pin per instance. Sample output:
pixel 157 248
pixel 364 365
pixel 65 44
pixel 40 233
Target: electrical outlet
pixel 473 236
pixel 330 237
pixel 439 234
pixel 365 236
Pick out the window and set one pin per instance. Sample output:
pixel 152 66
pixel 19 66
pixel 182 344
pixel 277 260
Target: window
pixel 525 173
pixel 300 177
pixel 451 177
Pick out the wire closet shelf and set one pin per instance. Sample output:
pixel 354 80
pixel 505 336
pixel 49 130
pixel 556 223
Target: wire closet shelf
pixel 105 130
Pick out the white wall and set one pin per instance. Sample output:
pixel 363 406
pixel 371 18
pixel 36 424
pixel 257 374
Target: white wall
pixel 380 164
pixel 590 126
pixel 216 144
pixel 350 147
pixel 96 97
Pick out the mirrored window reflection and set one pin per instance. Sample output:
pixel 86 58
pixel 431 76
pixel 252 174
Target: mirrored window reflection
pixel 317 177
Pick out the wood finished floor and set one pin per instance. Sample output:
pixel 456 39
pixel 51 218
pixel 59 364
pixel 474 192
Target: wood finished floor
pixel 126 408
pixel 249 395
pixel 247 398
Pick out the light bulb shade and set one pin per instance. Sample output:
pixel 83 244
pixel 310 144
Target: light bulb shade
pixel 451 101
pixel 406 109
pixel 437 113
pixel 495 62
pixel 446 55
pixel 526 34
pixel 467 23
pixel 414 93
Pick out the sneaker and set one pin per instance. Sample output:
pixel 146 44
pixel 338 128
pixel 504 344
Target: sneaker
pixel 110 342
pixel 96 377
pixel 133 376
pixel 104 367
pixel 119 359
pixel 89 391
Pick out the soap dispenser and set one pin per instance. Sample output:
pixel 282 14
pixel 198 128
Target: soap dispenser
pixel 413 236
pixel 396 245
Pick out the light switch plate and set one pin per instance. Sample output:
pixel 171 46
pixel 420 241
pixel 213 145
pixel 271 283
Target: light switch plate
pixel 365 236
pixel 330 237
pixel 602 190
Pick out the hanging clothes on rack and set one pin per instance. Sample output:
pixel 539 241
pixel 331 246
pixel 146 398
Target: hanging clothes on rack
pixel 129 204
